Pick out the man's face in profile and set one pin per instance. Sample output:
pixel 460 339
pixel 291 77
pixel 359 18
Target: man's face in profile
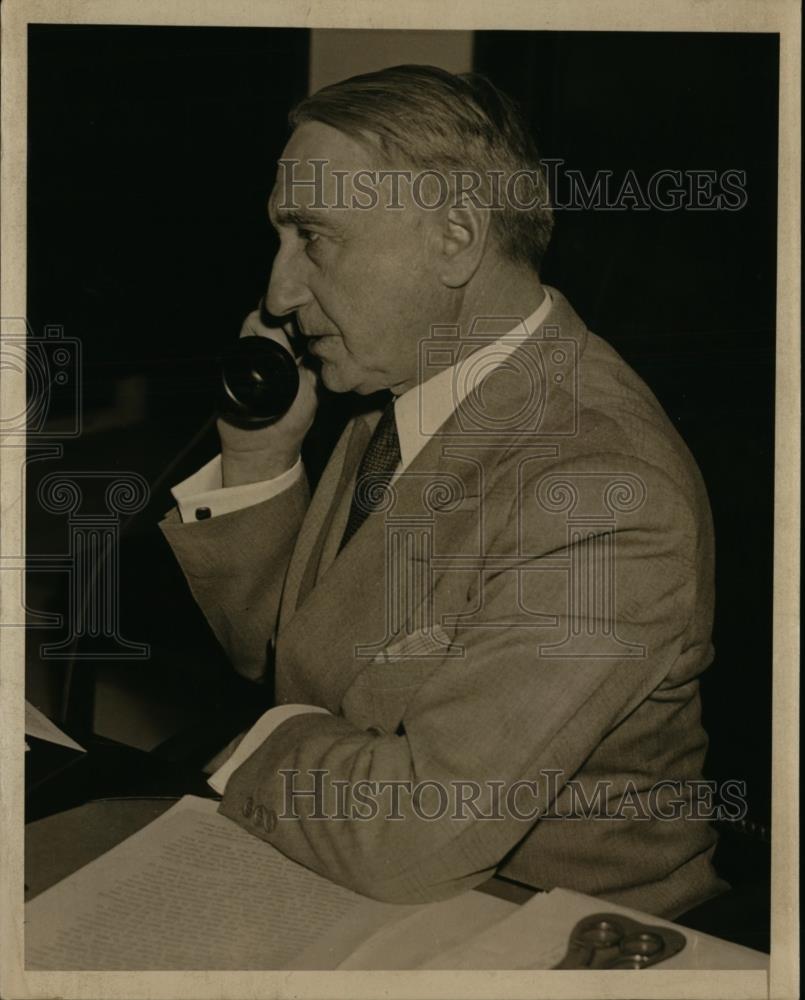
pixel 363 282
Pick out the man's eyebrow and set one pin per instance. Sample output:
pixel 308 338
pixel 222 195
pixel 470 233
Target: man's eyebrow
pixel 298 217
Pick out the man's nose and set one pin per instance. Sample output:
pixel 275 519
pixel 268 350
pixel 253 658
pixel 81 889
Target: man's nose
pixel 287 290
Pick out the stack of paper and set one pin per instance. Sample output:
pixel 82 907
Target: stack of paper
pixel 195 891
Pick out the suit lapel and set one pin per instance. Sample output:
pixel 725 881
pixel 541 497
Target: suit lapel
pixel 342 606
pixel 305 563
pixel 337 602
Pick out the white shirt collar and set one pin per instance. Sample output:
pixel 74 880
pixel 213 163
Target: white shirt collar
pixel 422 410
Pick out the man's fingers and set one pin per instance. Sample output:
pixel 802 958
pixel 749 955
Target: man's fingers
pixel 253 326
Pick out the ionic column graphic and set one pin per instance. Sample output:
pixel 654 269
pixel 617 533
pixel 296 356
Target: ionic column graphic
pixel 15 459
pixel 592 501
pixel 411 629
pixel 94 564
pixel 500 554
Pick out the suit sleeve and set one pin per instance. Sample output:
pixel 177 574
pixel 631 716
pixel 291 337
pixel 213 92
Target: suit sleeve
pixel 235 565
pixel 323 790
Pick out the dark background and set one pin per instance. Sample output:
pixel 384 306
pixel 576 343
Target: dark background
pixel 151 156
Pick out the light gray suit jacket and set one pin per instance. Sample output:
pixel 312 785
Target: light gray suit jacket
pixel 555 545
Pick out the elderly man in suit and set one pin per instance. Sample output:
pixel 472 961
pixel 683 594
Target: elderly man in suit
pixel 485 628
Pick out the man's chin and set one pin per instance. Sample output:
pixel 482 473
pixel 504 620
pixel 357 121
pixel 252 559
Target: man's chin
pixel 332 378
pixel 337 380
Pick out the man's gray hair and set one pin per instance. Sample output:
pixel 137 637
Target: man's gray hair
pixel 436 120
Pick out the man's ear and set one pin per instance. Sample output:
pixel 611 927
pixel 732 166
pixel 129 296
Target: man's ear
pixel 464 232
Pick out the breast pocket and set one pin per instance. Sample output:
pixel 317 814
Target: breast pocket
pixel 379 695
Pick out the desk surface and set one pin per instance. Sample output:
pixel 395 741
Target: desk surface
pixel 59 845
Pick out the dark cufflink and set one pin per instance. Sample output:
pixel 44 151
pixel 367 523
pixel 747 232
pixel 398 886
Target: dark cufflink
pixel 202 513
pixel 259 816
pixel 270 821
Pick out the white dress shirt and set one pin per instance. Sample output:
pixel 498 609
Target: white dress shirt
pixel 424 407
pixel 204 491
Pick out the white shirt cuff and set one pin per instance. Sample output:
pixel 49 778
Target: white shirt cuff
pixel 255 738
pixel 204 490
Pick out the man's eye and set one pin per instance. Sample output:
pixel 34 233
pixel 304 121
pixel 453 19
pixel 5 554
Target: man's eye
pixel 308 235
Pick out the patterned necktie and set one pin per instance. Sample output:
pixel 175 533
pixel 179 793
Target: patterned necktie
pixel 381 458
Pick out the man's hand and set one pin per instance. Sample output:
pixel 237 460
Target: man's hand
pixel 251 456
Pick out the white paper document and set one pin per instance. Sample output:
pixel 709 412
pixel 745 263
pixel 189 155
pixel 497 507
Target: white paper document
pixel 195 891
pixel 40 726
pixel 536 935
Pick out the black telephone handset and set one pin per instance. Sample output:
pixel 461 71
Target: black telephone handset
pixel 259 380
